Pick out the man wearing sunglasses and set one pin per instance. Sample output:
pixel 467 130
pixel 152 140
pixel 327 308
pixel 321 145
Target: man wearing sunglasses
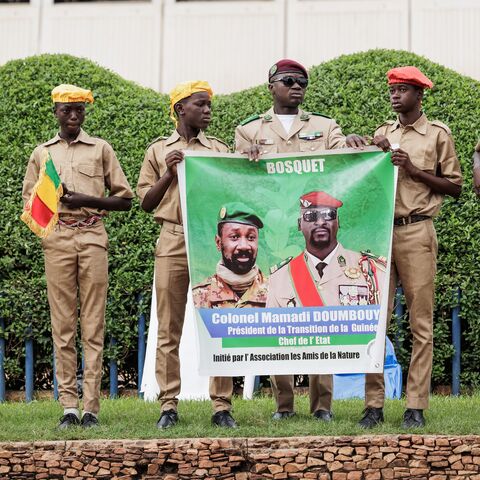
pixel 325 274
pixel 285 127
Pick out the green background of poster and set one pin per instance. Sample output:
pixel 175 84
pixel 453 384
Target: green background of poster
pixel 362 181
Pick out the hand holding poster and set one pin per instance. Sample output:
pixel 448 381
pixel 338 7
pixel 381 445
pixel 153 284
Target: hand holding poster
pixel 288 260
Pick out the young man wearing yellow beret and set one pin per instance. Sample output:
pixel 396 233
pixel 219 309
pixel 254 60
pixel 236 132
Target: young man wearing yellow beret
pixel 190 109
pixel 76 251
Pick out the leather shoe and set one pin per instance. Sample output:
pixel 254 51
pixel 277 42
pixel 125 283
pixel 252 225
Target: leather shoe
pixel 224 419
pixel 413 418
pixel 89 420
pixel 371 417
pixel 67 421
pixel 167 419
pixel 323 415
pixel 282 415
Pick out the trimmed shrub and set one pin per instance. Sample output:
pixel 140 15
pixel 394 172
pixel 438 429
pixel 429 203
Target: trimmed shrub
pixel 351 88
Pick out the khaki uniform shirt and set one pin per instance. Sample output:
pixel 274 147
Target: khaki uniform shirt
pixel 154 167
pixel 430 147
pixel 87 165
pixel 336 287
pixel 215 293
pixel 309 132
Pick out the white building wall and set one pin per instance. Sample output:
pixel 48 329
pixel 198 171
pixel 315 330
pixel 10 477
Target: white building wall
pixel 125 37
pixel 232 43
pixel 18 31
pixel 448 32
pixel 319 30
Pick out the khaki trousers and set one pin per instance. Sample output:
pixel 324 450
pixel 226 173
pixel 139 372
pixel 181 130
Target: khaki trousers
pixel 414 263
pixel 171 285
pixel 320 389
pixel 76 268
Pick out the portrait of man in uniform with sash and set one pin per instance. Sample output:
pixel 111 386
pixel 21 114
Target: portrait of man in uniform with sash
pixel 325 273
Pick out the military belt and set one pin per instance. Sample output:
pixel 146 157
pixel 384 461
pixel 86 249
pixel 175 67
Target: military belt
pixel 410 219
pixel 80 223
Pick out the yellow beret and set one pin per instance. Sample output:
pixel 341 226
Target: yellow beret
pixel 71 94
pixel 185 90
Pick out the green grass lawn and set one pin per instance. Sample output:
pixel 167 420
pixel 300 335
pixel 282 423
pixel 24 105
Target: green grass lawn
pixel 133 418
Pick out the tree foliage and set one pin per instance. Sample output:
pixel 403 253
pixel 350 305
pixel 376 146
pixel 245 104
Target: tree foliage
pixel 351 89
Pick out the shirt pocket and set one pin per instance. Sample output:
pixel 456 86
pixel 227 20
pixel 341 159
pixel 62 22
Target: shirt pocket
pixel 266 149
pixel 312 145
pixel 424 157
pixel 90 180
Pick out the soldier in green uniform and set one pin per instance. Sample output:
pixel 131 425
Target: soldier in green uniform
pixel 237 281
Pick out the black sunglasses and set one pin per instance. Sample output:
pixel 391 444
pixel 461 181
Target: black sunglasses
pixel 324 214
pixel 290 81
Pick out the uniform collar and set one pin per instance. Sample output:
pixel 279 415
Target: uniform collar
pixel 224 293
pixel 315 260
pixel 420 125
pixel 277 127
pixel 82 137
pixel 302 115
pixel 201 137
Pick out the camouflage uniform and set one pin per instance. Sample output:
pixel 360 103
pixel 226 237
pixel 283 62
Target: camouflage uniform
pixel 215 293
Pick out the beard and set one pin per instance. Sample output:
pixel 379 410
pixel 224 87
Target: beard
pixel 322 242
pixel 237 267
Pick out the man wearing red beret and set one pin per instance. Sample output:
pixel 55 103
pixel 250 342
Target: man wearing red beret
pixel 428 170
pixel 287 128
pixel 327 274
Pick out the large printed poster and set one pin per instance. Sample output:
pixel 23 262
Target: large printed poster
pixel 288 260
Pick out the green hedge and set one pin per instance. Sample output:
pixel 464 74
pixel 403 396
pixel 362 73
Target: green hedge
pixel 351 89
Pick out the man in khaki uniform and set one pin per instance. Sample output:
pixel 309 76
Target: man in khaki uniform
pixel 286 128
pixel 476 170
pixel 190 105
pixel 76 251
pixel 237 282
pixel 428 170
pixel 325 274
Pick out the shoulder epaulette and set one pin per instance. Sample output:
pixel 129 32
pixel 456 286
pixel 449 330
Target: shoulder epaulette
pixel 320 115
pixel 279 265
pixel 367 254
pixel 437 123
pixel 250 119
pixel 386 122
pixel 210 137
pixel 156 140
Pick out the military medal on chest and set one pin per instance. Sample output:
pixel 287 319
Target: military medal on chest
pixel 350 272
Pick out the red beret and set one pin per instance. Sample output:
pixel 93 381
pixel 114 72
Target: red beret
pixel 410 75
pixel 286 65
pixel 319 199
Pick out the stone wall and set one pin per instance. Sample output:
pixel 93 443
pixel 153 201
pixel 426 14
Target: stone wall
pixel 323 458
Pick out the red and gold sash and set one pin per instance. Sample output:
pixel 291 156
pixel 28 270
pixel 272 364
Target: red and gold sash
pixel 304 283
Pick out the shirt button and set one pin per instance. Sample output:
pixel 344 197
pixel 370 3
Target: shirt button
pixel 312 148
pixel 289 142
pixel 264 151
